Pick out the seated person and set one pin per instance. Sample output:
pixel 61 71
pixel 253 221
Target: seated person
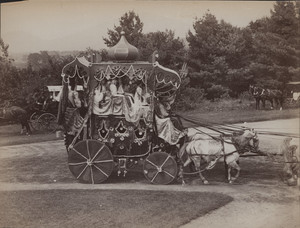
pixel 75 111
pixel 120 87
pixel 73 98
pixel 113 87
pixel 164 124
pixel 99 94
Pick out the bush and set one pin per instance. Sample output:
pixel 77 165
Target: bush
pixel 245 96
pixel 188 99
pixel 216 91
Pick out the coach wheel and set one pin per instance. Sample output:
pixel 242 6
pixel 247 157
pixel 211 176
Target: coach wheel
pixel 160 168
pixel 34 120
pixel 90 161
pixel 47 122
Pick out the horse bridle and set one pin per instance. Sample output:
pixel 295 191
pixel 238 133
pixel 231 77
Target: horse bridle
pixel 241 149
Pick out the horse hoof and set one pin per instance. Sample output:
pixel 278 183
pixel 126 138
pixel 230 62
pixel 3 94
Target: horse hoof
pixel 230 182
pixel 205 182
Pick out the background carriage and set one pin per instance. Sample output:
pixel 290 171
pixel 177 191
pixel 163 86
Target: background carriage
pixel 122 117
pixel 44 110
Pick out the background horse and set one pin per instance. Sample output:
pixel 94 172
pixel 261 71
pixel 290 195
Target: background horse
pixel 210 150
pixel 16 113
pixel 255 92
pixel 273 95
pixel 261 95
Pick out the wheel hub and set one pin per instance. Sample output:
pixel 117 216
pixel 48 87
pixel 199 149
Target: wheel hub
pixel 89 162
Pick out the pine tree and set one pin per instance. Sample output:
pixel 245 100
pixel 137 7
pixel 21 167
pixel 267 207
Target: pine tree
pixel 131 24
pixel 217 56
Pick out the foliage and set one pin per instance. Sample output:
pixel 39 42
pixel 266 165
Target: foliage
pixel 170 49
pixel 17 85
pixel 131 24
pixel 189 98
pixel 218 55
pixel 9 75
pixel 264 53
pixel 94 56
pixel 222 59
pixel 216 91
pixel 275 47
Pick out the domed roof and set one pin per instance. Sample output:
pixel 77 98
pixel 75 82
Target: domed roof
pixel 123 51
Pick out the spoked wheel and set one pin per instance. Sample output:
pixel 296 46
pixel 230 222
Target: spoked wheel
pixel 34 120
pixel 90 161
pixel 160 168
pixel 47 122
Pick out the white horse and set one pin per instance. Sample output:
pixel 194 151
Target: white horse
pixel 290 151
pixel 210 150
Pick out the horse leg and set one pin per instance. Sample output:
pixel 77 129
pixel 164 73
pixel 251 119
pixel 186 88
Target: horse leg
pixel 226 170
pixel 281 103
pixel 197 162
pixel 25 125
pixel 202 177
pixel 28 129
pixel 22 128
pixel 298 176
pixel 276 102
pixel 229 173
pixel 271 102
pixel 234 165
pixel 264 103
pixel 180 174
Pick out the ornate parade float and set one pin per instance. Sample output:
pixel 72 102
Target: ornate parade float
pixel 122 116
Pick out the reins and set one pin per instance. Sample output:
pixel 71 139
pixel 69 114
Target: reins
pixel 229 128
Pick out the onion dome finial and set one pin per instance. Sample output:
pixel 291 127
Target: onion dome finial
pixel 123 51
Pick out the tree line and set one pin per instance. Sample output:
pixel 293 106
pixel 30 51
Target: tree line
pixel 223 60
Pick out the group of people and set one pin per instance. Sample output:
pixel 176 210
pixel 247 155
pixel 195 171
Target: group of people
pixel 116 95
pixel 120 97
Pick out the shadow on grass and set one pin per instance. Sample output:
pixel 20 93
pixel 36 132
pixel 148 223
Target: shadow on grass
pixel 102 208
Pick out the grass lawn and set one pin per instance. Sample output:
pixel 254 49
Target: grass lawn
pixel 103 208
pixel 239 116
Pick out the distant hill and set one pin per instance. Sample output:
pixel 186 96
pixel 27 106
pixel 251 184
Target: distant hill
pixel 20 59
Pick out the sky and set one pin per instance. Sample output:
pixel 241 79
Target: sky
pixel 65 25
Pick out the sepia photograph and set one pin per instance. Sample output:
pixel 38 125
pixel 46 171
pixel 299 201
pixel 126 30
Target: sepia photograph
pixel 149 114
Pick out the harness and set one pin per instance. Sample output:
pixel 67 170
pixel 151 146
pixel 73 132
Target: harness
pixel 223 155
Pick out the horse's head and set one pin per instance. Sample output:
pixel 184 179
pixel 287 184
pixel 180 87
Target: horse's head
pixel 257 91
pixel 251 89
pixel 247 139
pixel 254 143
